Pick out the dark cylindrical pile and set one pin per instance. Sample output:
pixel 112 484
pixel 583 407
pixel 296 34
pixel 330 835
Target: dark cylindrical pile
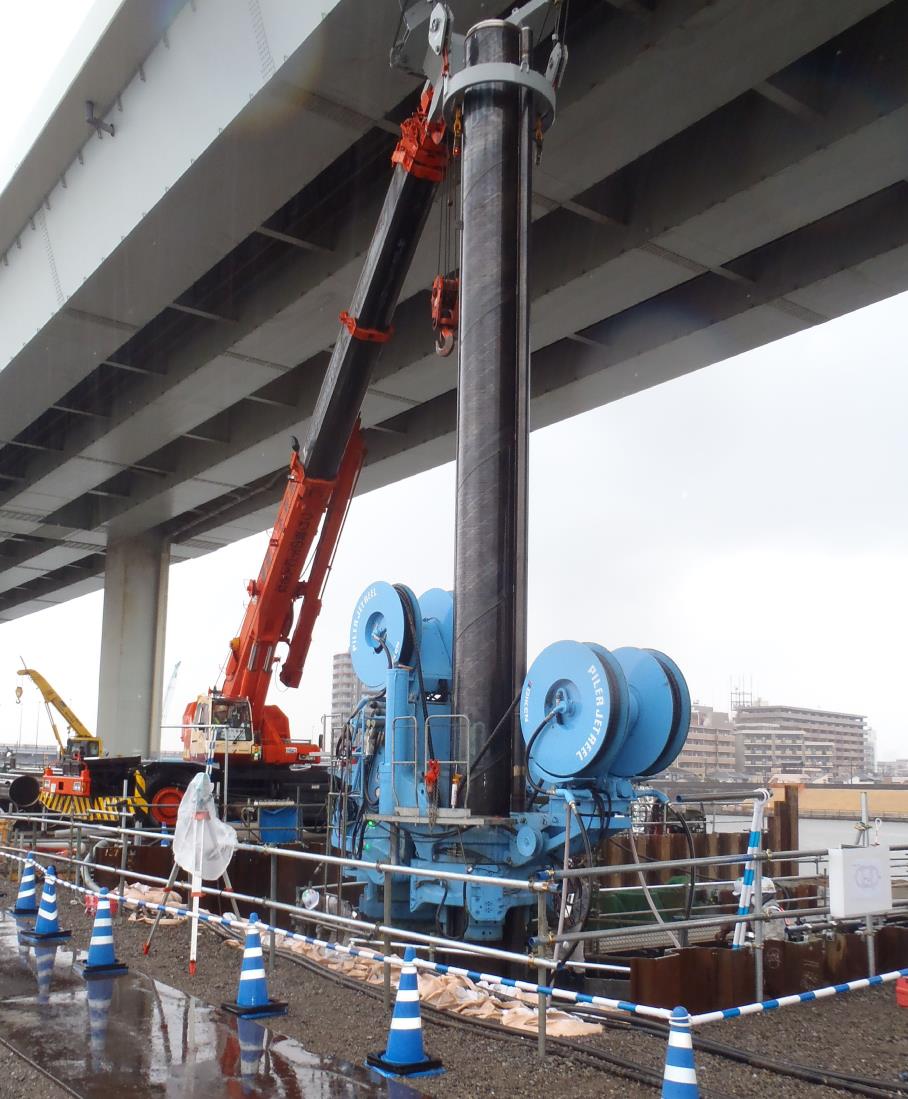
pixel 492 420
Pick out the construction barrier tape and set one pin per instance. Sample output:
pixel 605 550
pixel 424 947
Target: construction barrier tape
pixel 476 976
pixel 473 975
pixel 798 998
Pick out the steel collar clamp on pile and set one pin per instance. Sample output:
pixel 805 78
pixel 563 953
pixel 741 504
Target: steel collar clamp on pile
pixel 501 72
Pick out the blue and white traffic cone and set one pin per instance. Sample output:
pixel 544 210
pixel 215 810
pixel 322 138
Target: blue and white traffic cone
pixel 45 957
pixel 252 1000
pixel 101 960
pixel 405 1054
pixel 251 1037
pixel 679 1080
pixel 26 900
pixel 47 926
pixel 100 994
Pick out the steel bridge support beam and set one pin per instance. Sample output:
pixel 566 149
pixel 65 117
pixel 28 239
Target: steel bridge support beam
pixel 132 645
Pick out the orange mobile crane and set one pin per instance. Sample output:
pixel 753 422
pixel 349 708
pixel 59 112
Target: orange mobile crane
pixel 233 724
pixel 232 728
pixel 234 720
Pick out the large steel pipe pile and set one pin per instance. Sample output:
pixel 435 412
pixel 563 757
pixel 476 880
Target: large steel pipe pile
pixel 492 420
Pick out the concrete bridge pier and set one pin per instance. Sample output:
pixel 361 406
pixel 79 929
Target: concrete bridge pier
pixel 132 644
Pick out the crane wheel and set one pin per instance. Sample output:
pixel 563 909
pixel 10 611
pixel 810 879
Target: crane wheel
pixel 163 803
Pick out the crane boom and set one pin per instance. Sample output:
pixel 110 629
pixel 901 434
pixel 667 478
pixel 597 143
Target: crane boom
pixel 79 731
pixel 321 482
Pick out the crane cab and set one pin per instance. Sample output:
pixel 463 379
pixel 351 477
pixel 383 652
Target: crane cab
pixel 71 775
pixel 78 749
pixel 215 725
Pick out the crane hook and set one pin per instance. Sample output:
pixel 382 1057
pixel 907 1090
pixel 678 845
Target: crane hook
pixel 445 313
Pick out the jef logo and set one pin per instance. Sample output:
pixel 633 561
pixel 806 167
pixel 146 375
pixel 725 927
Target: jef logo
pixel 866 876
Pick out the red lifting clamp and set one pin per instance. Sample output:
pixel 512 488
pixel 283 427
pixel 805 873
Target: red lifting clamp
pixel 370 335
pixel 421 150
pixel 445 312
pixel 433 773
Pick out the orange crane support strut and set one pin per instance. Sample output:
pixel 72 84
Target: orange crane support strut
pixel 311 514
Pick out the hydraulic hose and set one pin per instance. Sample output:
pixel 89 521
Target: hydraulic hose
pixel 564 886
pixel 491 737
pixel 692 882
pixel 537 787
pixel 646 893
pixel 417 660
pixel 88 880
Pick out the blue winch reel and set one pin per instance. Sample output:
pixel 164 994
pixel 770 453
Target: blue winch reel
pixel 588 714
pixel 391 625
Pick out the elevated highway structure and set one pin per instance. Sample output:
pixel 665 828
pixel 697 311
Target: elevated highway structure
pixel 721 173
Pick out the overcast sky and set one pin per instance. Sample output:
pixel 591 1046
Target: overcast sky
pixel 749 519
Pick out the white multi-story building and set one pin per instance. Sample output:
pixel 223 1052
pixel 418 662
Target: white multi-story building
pixel 346 688
pixel 786 737
pixel 869 751
pixel 764 749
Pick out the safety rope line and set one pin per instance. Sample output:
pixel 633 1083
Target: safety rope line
pixel 472 975
pixel 475 976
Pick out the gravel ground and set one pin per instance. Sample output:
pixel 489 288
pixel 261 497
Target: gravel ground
pixel 18 1080
pixel 862 1033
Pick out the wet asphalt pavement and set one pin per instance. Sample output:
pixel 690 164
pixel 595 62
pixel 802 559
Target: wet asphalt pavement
pixel 131 1035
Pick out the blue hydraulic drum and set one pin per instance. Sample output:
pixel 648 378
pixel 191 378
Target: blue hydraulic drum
pixel 588 714
pixel 660 712
pixel 682 711
pixel 582 692
pixel 382 630
pixel 438 604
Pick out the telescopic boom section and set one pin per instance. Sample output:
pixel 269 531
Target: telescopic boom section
pixel 309 521
pixel 321 481
pixel 420 160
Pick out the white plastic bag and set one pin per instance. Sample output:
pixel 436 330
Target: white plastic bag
pixel 198 825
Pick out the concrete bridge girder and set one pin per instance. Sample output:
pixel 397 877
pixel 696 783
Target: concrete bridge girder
pixel 566 304
pixel 230 87
pixel 681 76
pixel 687 327
pixel 678 32
pixel 706 208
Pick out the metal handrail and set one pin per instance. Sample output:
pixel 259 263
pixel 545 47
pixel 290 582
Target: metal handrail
pixel 408 720
pixel 544 884
pixel 531 884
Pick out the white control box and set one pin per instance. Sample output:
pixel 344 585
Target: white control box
pixel 859 881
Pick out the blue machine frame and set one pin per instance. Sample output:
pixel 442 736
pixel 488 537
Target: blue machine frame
pixel 594 721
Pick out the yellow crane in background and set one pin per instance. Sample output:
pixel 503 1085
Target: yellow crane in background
pixel 80 743
pixel 79 784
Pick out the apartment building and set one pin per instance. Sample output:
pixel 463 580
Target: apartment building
pixel 817 741
pixel 869 751
pixel 763 749
pixel 710 744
